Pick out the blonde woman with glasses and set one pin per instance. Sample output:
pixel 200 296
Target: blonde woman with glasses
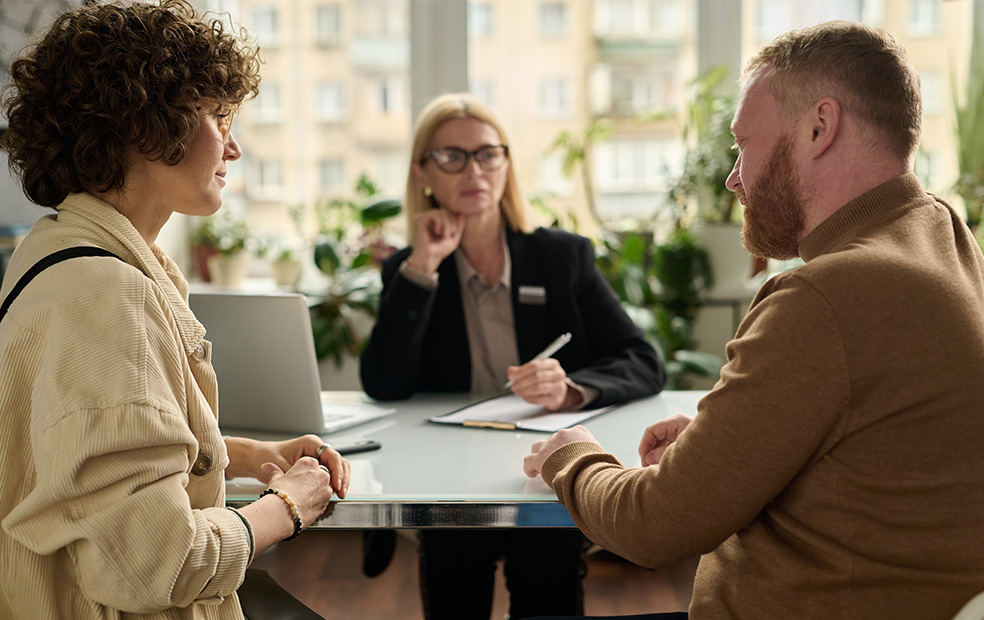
pixel 466 308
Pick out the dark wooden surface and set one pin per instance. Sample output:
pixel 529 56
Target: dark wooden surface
pixel 324 570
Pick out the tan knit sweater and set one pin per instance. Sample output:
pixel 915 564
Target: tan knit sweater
pixel 837 469
pixel 107 398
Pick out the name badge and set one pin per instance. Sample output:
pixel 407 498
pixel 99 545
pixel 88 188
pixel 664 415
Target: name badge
pixel 533 295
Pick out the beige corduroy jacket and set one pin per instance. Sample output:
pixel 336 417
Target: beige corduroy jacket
pixel 107 403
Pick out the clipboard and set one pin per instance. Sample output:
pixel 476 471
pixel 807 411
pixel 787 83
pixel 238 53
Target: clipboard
pixel 509 412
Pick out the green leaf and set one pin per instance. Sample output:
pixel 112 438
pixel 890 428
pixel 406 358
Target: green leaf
pixel 381 210
pixel 698 363
pixel 326 257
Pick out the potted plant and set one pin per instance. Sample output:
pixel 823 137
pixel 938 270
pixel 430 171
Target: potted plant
pixel 701 188
pixel 351 248
pixel 660 288
pixel 286 268
pixel 219 246
pixel 970 139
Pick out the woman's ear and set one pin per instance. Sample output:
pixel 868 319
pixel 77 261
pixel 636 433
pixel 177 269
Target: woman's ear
pixel 419 175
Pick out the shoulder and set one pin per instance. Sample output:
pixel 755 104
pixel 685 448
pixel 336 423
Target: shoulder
pixel 552 244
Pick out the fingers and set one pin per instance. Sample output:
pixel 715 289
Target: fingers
pixel 541 450
pixel 340 468
pixel 659 436
pixel 532 462
pixel 541 382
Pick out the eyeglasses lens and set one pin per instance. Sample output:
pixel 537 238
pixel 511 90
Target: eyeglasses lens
pixel 453 160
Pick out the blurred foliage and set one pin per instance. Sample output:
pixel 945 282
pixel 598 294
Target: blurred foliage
pixel 660 288
pixel 970 136
pixel 710 154
pixel 350 248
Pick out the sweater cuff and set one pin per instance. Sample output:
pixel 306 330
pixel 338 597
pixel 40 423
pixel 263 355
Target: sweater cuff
pixel 572 453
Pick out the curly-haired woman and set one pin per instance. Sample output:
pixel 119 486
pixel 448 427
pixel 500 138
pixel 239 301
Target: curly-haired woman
pixel 112 495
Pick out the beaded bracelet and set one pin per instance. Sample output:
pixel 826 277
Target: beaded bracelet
pixel 294 512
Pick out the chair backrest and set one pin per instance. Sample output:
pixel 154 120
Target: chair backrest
pixel 973 610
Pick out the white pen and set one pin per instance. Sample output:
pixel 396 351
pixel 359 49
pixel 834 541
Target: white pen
pixel 552 348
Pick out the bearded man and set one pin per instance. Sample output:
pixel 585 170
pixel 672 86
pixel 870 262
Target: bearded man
pixel 837 468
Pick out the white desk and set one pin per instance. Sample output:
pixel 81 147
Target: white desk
pixel 438 476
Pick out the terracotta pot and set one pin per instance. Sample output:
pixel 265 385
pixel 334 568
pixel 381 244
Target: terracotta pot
pixel 200 255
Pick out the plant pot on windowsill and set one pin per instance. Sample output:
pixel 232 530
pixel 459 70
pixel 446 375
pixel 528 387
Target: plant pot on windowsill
pixel 286 271
pixel 228 270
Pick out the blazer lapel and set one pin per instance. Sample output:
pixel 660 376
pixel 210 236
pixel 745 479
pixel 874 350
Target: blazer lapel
pixel 529 296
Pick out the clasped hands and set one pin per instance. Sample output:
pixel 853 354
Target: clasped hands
pixel 293 466
pixel 655 440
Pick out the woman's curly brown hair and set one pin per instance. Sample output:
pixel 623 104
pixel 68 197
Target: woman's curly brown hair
pixel 107 81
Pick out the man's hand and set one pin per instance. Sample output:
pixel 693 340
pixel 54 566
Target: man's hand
pixel 541 450
pixel 658 437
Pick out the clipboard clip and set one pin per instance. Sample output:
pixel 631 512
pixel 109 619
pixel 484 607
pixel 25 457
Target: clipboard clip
pixel 502 426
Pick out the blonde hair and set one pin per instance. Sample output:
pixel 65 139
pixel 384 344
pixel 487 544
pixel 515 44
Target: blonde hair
pixel 863 68
pixel 515 209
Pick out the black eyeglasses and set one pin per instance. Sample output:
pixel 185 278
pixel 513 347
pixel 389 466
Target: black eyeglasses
pixel 453 160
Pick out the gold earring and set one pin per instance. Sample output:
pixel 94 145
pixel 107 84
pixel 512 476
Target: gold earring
pixel 428 191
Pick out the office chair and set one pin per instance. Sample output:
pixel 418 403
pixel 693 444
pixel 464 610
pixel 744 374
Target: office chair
pixel 262 598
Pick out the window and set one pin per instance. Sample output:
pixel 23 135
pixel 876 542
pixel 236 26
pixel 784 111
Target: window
pixel 637 18
pixel 328 24
pixel 331 175
pixel 381 17
pixel 553 19
pixel 266 27
pixel 391 171
pixel 932 90
pixel 267 106
pixel 637 90
pixel 388 95
pixel 330 104
pixel 484 91
pixel 269 180
pixel 555 98
pixel 481 19
pixel 772 18
pixel 924 17
pixel 550 175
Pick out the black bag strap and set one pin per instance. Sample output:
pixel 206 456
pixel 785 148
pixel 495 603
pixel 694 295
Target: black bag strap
pixel 46 262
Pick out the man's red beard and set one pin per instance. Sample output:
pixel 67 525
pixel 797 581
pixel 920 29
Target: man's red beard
pixel 773 219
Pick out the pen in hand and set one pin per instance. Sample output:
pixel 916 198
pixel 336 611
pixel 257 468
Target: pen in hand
pixel 552 348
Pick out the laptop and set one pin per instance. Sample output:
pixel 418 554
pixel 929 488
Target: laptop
pixel 267 370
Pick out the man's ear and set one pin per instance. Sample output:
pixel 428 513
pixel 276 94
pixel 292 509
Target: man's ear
pixel 823 119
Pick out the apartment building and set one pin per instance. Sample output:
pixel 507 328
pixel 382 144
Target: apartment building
pixel 335 102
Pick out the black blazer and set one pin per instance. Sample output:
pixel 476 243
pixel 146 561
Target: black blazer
pixel 420 342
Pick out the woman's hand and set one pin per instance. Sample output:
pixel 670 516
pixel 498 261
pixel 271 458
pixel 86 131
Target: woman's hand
pixel 247 457
pixel 658 437
pixel 437 233
pixel 306 482
pixel 543 382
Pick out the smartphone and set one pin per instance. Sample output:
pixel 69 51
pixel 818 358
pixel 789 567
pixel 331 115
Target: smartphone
pixel 362 445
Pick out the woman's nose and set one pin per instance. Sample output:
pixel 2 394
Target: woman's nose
pixel 232 149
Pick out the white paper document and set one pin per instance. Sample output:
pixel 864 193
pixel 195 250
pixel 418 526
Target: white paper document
pixel 510 412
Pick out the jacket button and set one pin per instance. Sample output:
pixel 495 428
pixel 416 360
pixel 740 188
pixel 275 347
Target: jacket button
pixel 199 353
pixel 202 464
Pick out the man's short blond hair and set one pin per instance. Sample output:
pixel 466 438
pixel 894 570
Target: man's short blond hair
pixel 863 68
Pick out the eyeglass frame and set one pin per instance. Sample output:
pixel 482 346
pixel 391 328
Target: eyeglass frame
pixel 469 155
pixel 225 119
pixel 223 122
